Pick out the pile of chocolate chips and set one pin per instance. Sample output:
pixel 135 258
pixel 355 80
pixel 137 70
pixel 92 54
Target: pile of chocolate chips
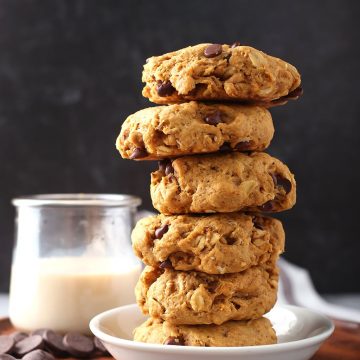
pixel 46 344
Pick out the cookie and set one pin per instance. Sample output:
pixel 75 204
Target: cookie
pixel 231 333
pixel 222 183
pixel 194 128
pixel 214 244
pixel 219 73
pixel 197 298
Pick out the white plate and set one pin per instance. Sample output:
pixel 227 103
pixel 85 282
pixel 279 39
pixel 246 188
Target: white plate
pixel 300 333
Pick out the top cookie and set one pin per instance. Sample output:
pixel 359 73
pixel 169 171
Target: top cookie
pixel 219 72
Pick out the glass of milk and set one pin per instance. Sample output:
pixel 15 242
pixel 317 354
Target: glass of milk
pixel 72 259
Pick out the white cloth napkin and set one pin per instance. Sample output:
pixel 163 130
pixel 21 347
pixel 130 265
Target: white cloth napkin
pixel 296 288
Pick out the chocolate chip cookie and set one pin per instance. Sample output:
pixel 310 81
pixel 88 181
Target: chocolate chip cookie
pixel 194 128
pixel 214 244
pixel 197 298
pixel 231 333
pixel 223 183
pixel 218 72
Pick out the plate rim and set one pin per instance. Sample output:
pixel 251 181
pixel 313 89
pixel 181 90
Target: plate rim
pixel 140 346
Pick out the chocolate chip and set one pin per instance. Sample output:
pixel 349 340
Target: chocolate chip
pixel 171 340
pixel 38 355
pixel 54 342
pixel 268 206
pixel 40 332
pixel 100 346
pixel 78 344
pixel 280 181
pixel 295 93
pixel 213 119
pixel 165 166
pixel 6 344
pixel 213 50
pixel 243 145
pixel 138 153
pixel 159 232
pixel 212 285
pixel 257 224
pixel 284 183
pixel 6 357
pixel 235 44
pixel 18 336
pixel 162 164
pixel 274 179
pixel 31 343
pixel 230 240
pixel 166 264
pixel 225 147
pixel 165 88
pixel 169 169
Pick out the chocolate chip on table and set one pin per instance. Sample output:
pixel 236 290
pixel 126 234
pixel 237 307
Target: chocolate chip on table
pixel 213 119
pixel 6 357
pixel 18 335
pixel 40 332
pixel 138 153
pixel 78 344
pixel 268 206
pixel 54 342
pixel 171 340
pixel 235 44
pixel 32 342
pixel 38 355
pixel 225 147
pixel 243 145
pixel 166 264
pixel 160 231
pixel 165 88
pixel 213 50
pixel 100 346
pixel 7 344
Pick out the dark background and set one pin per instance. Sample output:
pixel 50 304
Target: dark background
pixel 70 73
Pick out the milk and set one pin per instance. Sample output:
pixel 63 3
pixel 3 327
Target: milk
pixel 65 293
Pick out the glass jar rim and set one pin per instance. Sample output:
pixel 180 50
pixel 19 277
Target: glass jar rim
pixel 79 199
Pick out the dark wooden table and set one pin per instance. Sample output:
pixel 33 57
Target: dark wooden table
pixel 344 344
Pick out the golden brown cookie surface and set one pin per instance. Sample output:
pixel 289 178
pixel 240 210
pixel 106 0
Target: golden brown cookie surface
pixel 231 333
pixel 218 72
pixel 193 128
pixel 197 298
pixel 223 183
pixel 214 244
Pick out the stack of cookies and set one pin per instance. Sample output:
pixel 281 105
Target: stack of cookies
pixel 211 256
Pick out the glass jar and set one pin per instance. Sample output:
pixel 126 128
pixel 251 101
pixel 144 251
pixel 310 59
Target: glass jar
pixel 72 259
